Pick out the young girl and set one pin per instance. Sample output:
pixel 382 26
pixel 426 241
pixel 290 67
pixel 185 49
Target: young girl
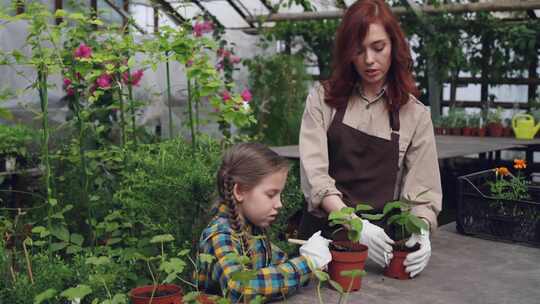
pixel 250 181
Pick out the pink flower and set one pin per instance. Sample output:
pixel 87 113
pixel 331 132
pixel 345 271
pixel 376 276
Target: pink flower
pixel 70 92
pixel 219 65
pixel 135 77
pixel 235 59
pixel 246 95
pixel 67 82
pixel 83 51
pixel 226 96
pixel 104 81
pixel 189 63
pixel 200 28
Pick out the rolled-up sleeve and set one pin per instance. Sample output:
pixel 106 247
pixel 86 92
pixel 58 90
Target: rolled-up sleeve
pixel 316 182
pixel 421 172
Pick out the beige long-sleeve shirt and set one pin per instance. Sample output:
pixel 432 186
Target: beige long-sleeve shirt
pixel 418 164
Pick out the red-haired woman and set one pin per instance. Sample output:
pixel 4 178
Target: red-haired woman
pixel 366 138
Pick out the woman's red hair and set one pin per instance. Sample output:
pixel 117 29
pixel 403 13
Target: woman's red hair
pixel 350 34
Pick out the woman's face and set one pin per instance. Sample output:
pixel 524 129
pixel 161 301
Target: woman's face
pixel 374 56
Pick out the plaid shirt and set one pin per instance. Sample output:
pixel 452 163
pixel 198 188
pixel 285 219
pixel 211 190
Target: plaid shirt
pixel 275 278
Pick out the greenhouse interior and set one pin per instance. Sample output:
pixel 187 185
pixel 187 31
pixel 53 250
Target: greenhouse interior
pixel 177 151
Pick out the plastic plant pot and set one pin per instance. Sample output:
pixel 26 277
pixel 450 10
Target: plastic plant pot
pixel 164 294
pixel 354 257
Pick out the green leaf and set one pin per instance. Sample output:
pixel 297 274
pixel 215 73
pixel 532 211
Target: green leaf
pixel 72 249
pixel 321 275
pixel 372 217
pixel 417 222
pixel 244 276
pixel 46 295
pixel 392 219
pixel 58 246
pixel 183 252
pixel 60 232
pixel 97 261
pixel 336 286
pixel 174 265
pixel 78 292
pixel 206 258
pixel 77 239
pixel 363 207
pixel 59 13
pixel 162 238
pixel 131 62
pixel 391 206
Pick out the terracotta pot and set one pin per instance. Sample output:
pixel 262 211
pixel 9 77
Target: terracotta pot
pixel 495 129
pixel 396 269
pixel 467 131
pixel 481 132
pixel 347 260
pixel 508 132
pixel 438 131
pixel 205 299
pixel 455 131
pixel 165 294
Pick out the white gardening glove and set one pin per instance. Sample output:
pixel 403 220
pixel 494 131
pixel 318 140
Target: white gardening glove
pixel 418 260
pixel 316 250
pixel 378 242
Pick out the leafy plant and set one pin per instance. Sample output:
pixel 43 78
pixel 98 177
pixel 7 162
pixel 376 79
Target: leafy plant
pixel 16 140
pixel 495 115
pixel 401 221
pixel 508 187
pixel 280 89
pixel 347 217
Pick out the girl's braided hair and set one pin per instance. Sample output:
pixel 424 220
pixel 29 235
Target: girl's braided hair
pixel 245 165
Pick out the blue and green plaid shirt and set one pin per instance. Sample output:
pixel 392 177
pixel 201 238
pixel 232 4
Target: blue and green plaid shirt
pixel 275 278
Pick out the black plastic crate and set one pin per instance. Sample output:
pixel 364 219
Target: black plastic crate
pixel 480 214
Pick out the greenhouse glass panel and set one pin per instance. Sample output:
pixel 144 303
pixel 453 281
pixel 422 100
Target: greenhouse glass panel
pixel 187 10
pixel 143 14
pixel 225 14
pixel 107 13
pixel 254 7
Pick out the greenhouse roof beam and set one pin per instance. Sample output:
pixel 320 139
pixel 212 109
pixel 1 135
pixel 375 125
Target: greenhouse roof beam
pixel 167 8
pixel 496 6
pixel 206 12
pixel 239 11
pixel 125 15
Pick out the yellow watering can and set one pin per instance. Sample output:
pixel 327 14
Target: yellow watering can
pixel 524 127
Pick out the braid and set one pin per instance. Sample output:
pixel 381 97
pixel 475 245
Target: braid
pixel 234 216
pixel 269 246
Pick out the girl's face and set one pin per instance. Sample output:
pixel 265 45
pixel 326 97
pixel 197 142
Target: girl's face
pixel 261 204
pixel 374 56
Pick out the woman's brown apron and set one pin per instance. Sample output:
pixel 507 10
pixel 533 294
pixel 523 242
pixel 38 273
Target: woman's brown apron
pixel 364 167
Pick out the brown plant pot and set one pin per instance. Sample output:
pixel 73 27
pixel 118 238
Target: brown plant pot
pixel 481 132
pixel 455 131
pixel 438 131
pixel 495 129
pixel 164 294
pixel 347 260
pixel 396 269
pixel 508 132
pixel 467 131
pixel 205 299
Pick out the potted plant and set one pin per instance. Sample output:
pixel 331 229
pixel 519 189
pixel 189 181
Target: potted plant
pixel 456 120
pixel 161 291
pixel 507 128
pixel 498 205
pixel 468 126
pixel 474 124
pixel 401 225
pixel 437 126
pixel 494 122
pixel 349 255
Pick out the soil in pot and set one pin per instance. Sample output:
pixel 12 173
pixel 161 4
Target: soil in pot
pixel 164 294
pixel 347 255
pixel 396 269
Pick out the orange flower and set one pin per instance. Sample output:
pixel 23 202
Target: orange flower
pixel 520 164
pixel 502 171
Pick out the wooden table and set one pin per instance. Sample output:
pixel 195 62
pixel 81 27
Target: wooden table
pixel 452 146
pixel 462 269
